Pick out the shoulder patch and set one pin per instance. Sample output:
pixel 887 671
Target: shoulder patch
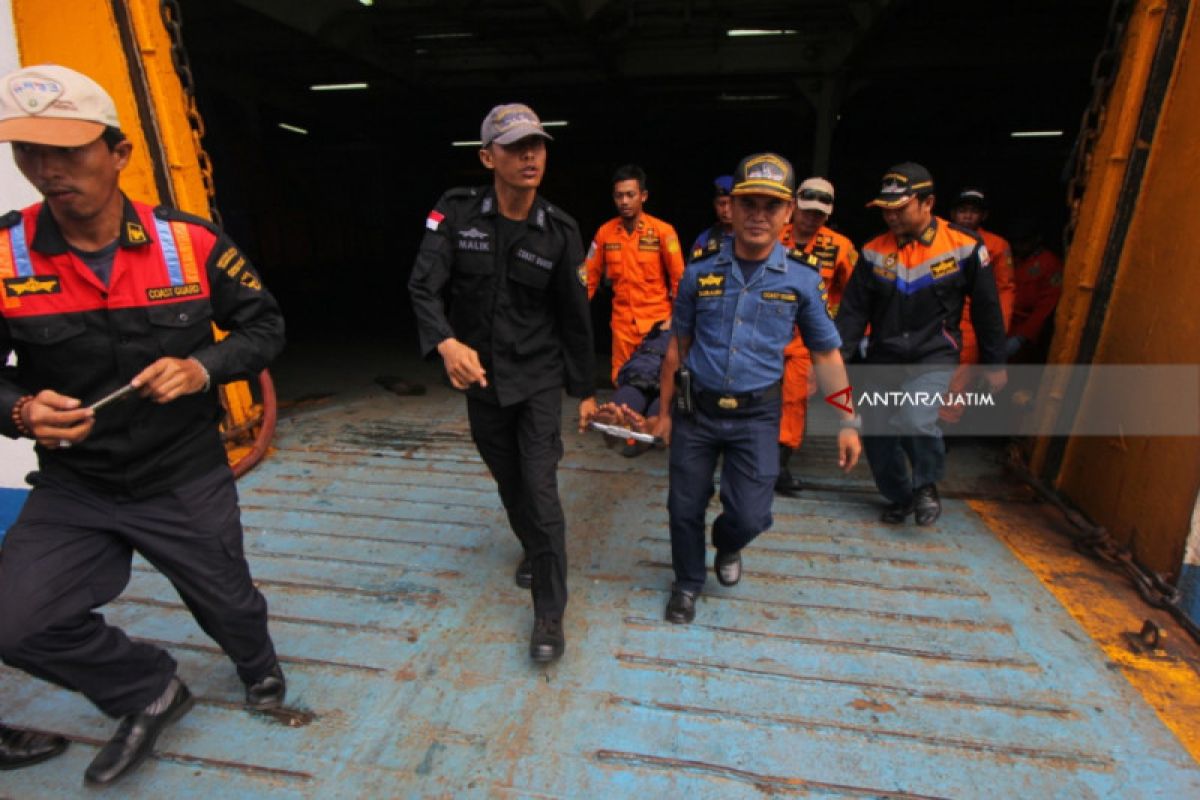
pixel 807 259
pixel 10 219
pixel 462 191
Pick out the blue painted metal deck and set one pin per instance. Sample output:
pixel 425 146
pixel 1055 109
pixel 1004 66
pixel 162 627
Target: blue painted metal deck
pixel 853 660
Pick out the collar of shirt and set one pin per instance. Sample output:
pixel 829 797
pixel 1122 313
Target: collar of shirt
pixel 925 237
pixel 49 239
pixel 776 261
pixel 537 212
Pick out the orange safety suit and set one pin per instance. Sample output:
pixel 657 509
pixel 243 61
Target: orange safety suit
pixel 1039 285
pixel 644 267
pixel 837 256
pixel 1002 262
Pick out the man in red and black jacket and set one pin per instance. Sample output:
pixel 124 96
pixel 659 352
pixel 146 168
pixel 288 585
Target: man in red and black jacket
pixel 100 292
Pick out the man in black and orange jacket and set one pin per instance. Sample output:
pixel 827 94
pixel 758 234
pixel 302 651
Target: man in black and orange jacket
pixel 101 292
pixel 910 285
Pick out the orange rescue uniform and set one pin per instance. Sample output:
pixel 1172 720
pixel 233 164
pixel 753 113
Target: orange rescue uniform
pixel 1039 285
pixel 644 267
pixel 837 256
pixel 1003 269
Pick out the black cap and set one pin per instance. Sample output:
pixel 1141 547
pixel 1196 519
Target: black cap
pixel 901 183
pixel 971 196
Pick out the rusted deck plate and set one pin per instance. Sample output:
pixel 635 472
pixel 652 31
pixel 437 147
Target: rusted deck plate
pixel 853 660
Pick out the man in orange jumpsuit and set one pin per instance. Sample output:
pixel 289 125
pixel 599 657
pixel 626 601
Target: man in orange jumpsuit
pixel 1039 285
pixel 970 211
pixel 640 256
pixel 808 233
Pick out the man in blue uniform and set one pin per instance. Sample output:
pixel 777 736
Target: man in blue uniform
pixel 723 208
pixel 733 316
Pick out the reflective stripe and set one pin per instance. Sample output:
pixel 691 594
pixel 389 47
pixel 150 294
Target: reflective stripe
pixel 166 243
pixel 187 254
pixel 20 250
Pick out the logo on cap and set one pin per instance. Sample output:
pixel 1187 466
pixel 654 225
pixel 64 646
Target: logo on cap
pixel 34 93
pixel 768 169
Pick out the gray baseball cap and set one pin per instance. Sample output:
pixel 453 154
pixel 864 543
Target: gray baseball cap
pixel 510 122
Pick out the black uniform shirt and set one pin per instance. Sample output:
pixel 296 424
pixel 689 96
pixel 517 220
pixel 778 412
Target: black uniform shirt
pixel 516 296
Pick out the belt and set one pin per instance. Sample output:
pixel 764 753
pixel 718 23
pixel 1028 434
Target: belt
pixel 717 403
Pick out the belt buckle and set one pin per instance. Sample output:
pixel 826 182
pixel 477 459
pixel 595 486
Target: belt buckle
pixel 728 403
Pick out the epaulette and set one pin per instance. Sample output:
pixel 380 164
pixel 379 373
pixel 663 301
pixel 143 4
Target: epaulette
pixel 175 215
pixel 462 191
pixel 807 259
pixel 560 215
pixel 10 219
pixel 954 226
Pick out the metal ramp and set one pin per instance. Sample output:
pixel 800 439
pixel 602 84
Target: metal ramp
pixel 852 661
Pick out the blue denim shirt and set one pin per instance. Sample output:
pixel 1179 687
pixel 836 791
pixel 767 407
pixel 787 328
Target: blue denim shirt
pixel 738 328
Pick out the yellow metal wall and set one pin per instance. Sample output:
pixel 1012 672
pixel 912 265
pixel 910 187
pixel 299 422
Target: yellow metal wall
pixel 1142 489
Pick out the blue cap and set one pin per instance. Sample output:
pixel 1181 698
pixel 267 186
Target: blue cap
pixel 723 184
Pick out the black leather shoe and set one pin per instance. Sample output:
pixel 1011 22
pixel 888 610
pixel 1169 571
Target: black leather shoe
pixel 547 641
pixel 927 504
pixel 268 691
pixel 20 748
pixel 896 513
pixel 681 608
pixel 524 575
pixel 728 567
pixel 134 739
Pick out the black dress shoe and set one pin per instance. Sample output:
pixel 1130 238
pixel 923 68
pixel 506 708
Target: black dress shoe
pixel 524 575
pixel 896 513
pixel 927 504
pixel 547 641
pixel 681 608
pixel 134 740
pixel 20 748
pixel 728 567
pixel 268 691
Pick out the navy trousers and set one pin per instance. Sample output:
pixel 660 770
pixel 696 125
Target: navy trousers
pixel 69 553
pixel 747 442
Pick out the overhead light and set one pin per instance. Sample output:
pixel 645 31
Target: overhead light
pixel 292 128
pixel 337 87
pixel 468 143
pixel 367 2
pixel 1035 134
pixel 555 123
pixel 759 32
pixel 453 35
pixel 749 98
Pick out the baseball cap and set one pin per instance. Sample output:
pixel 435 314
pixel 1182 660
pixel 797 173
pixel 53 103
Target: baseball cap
pixel 971 196
pixel 765 173
pixel 511 122
pixel 54 105
pixel 815 194
pixel 902 182
pixel 723 185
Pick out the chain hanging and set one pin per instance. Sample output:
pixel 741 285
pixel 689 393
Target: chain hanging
pixel 172 19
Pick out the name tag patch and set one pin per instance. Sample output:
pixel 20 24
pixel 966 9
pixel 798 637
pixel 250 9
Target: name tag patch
pixel 528 257
pixel 779 297
pixel 474 240
pixel 712 284
pixel 943 268
pixel 172 292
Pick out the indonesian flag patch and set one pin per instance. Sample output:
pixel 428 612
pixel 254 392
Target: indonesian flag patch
pixel 434 219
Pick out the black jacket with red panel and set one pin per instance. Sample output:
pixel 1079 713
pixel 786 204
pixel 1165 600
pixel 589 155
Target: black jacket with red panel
pixel 173 276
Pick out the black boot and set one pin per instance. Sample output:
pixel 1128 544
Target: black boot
pixel 20 748
pixel 785 484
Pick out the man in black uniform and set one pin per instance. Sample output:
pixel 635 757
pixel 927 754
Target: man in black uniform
pixel 511 268
pixel 101 292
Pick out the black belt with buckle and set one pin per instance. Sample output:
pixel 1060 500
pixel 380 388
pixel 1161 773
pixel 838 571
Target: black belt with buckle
pixel 717 403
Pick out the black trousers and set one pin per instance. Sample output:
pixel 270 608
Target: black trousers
pixel 522 445
pixel 70 551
